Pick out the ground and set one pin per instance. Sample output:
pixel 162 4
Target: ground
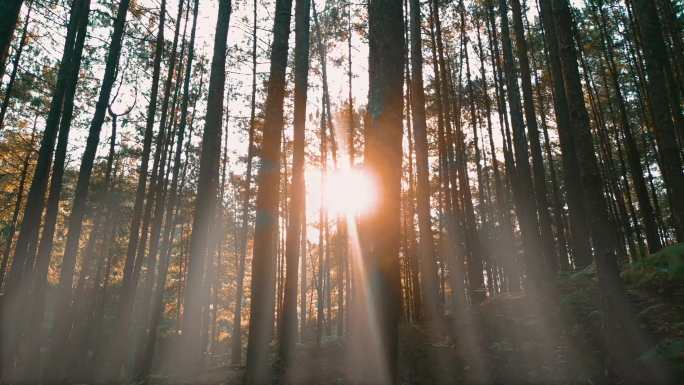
pixel 508 340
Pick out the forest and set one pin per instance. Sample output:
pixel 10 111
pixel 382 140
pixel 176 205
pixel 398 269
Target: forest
pixel 326 192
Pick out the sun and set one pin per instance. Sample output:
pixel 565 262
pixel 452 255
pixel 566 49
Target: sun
pixel 348 191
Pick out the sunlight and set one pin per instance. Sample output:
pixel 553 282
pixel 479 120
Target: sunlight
pixel 350 192
pixel 347 192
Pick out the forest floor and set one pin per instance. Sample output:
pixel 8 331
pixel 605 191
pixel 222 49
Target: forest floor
pixel 507 340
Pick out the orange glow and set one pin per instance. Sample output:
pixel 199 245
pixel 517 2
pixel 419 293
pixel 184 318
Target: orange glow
pixel 348 191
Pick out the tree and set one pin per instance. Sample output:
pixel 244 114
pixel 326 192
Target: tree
pixel 236 342
pixel 206 196
pixel 384 156
pixel 8 22
pixel 579 234
pixel 63 318
pixel 288 322
pixel 619 326
pixel 662 108
pixel 15 65
pixel 20 275
pixel 541 195
pixel 523 192
pixel 428 267
pixel 261 310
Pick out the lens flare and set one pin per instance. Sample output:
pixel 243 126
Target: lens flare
pixel 350 192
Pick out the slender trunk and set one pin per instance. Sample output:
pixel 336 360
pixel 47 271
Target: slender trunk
pixel 24 252
pixel 662 108
pixel 132 264
pixel 75 222
pixel 428 269
pixel 477 291
pixel 58 168
pixel 540 191
pixel 15 66
pixel 623 338
pixel 579 233
pixel 512 273
pixel 303 275
pixel 288 327
pixel 236 339
pixel 523 189
pixel 261 314
pixel 34 277
pixel 386 78
pixel 633 156
pixel 9 10
pixel 205 203
pixel 17 203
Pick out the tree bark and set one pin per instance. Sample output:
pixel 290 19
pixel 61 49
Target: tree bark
pixel 579 234
pixel 17 203
pixel 662 108
pixel 15 66
pixel 623 338
pixel 540 191
pixel 523 190
pixel 205 203
pixel 236 335
pixel 386 78
pixel 261 314
pixel 288 326
pixel 9 10
pixel 428 268
pixel 75 222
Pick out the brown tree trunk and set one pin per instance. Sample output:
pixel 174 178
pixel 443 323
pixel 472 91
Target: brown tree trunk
pixel 63 318
pixel 17 203
pixel 540 191
pixel 15 66
pixel 661 107
pixel 261 314
pixel 426 258
pixel 205 204
pixel 9 10
pixel 624 340
pixel 288 326
pixel 523 189
pixel 579 234
pixel 386 73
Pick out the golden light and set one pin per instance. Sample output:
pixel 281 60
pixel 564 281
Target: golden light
pixel 350 192
pixel 345 192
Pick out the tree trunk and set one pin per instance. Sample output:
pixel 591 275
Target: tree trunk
pixel 205 204
pixel 236 335
pixel 261 314
pixel 20 278
pixel 9 10
pixel 288 326
pixel 662 109
pixel 633 156
pixel 17 203
pixel 541 195
pixel 39 276
pixel 75 222
pixel 579 234
pixel 386 73
pixel 22 262
pixel 15 66
pixel 428 268
pixel 623 338
pixel 523 190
